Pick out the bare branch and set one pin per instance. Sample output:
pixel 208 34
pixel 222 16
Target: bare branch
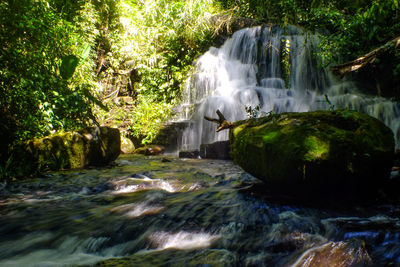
pixel 221 121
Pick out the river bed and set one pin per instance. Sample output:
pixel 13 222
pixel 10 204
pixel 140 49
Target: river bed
pixel 166 211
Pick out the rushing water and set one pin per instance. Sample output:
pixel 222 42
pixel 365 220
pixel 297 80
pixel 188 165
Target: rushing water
pixel 173 212
pixel 251 69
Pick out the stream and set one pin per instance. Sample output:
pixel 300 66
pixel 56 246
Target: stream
pixel 166 211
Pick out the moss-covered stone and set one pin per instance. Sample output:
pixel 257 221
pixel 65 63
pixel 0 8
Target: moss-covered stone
pixel 70 150
pixel 301 152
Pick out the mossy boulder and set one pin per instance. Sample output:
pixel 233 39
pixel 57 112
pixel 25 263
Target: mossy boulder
pixel 94 146
pixel 315 152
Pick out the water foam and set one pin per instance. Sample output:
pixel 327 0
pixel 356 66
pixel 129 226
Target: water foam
pixel 182 240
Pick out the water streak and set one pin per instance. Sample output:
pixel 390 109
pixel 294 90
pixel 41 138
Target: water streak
pixel 182 240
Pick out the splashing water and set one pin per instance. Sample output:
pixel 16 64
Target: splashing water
pixel 275 69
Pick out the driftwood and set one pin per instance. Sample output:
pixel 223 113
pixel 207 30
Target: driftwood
pixel 345 68
pixel 221 121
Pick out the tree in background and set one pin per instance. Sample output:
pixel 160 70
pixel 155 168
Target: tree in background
pixel 46 59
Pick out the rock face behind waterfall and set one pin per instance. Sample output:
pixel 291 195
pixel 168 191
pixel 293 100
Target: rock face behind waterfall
pixel 70 150
pixel 319 152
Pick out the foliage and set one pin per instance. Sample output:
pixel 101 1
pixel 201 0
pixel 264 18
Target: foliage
pixel 348 28
pixel 354 27
pixel 39 91
pixel 353 32
pixel 163 38
pixel 147 118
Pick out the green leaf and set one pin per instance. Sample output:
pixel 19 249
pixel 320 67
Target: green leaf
pixel 85 52
pixel 68 66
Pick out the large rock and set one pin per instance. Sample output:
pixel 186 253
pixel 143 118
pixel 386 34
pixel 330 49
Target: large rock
pixel 216 150
pixel 170 135
pixel 315 152
pixel 345 253
pixel 95 146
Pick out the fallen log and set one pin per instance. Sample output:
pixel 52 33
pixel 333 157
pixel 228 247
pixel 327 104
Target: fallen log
pixel 345 68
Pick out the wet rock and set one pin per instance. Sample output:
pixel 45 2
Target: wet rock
pixel 216 150
pixel 344 254
pixel 193 154
pixel 364 224
pixel 127 146
pixel 96 146
pixel 150 150
pixel 170 134
pixel 316 153
pixel 294 242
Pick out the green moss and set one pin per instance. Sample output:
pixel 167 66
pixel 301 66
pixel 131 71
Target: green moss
pixel 316 149
pixel 270 137
pixel 239 128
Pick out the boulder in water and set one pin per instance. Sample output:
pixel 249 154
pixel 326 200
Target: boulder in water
pixel 345 253
pixel 216 150
pixel 95 146
pixel 192 154
pixel 315 152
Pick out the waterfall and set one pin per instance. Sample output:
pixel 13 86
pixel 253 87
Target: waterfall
pixel 276 70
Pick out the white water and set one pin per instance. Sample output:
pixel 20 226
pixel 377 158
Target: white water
pixel 248 71
pixel 182 240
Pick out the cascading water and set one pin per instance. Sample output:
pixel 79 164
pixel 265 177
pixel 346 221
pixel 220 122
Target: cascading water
pixel 275 69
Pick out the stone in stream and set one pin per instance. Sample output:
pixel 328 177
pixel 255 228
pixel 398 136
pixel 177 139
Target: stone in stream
pixel 95 146
pixel 320 153
pixel 192 154
pixel 216 150
pixel 127 146
pixel 345 253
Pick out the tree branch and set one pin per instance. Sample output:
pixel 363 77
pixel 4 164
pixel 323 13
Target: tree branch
pixel 345 68
pixel 221 121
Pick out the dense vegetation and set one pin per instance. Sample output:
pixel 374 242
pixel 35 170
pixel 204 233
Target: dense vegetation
pixel 63 62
